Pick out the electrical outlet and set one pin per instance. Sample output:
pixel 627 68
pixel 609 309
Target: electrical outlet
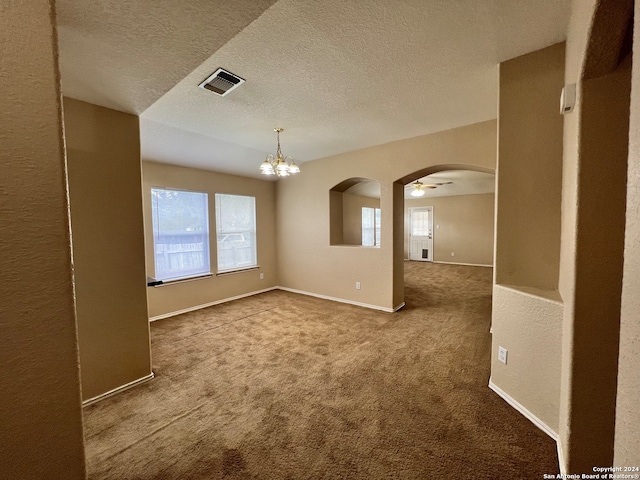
pixel 502 355
pixel 453 254
pixel 437 227
pixel 357 285
pixel 262 276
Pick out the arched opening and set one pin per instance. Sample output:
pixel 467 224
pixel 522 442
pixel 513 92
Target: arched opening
pixel 466 181
pixel 355 215
pixel 449 218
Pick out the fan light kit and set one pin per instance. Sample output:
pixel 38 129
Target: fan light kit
pixel 419 188
pixel 279 165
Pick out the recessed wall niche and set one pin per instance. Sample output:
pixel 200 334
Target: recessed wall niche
pixel 354 213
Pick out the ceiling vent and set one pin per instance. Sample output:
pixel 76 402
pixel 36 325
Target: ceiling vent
pixel 221 82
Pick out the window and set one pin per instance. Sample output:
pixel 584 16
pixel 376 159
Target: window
pixel 236 231
pixel 180 233
pixel 420 223
pixel 370 227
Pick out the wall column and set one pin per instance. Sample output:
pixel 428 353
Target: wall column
pixel 41 413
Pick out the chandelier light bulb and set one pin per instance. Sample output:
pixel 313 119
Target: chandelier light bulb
pixel 267 168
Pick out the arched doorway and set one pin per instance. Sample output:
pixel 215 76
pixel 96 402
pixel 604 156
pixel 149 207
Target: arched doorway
pixel 400 248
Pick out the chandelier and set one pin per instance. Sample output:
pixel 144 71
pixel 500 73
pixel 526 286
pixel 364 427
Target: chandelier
pixel 279 165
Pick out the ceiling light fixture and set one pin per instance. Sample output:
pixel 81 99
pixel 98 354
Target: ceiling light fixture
pixel 419 188
pixel 279 165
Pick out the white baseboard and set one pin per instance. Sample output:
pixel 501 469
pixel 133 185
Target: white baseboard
pixel 399 307
pixel 292 290
pixel 520 408
pixel 533 419
pixel 467 264
pixel 563 471
pixel 343 300
pixel 210 304
pixel 119 389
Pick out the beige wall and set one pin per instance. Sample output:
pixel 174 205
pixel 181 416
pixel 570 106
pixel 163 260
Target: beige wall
pixel 532 373
pixel 336 222
pixel 594 154
pixel 529 180
pixel 527 309
pixel 352 216
pixel 180 296
pixel 466 228
pixel 627 440
pixel 103 152
pixel 599 264
pixel 577 37
pixel 40 417
pixel 593 219
pixel 303 213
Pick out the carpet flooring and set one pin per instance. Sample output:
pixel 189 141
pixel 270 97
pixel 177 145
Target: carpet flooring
pixel 287 386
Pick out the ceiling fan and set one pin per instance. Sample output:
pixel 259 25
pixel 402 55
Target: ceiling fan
pixel 419 188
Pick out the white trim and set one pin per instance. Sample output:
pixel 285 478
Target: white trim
pixel 533 419
pixel 467 264
pixel 563 471
pixel 210 304
pixel 343 300
pixel 233 271
pixel 520 408
pixel 119 389
pixel 399 307
pixel 172 281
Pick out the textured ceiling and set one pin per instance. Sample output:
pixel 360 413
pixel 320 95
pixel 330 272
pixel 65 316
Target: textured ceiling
pixel 337 75
pixel 126 55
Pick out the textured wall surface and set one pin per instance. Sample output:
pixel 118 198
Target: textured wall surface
pixel 599 266
pixel 627 440
pixel 178 296
pixel 594 172
pixel 40 416
pixel 527 313
pixel 103 151
pixel 530 170
pixel 577 38
pixel 466 227
pixel 303 213
pixel 529 326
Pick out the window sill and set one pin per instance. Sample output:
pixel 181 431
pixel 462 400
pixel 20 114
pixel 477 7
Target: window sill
pixel 237 270
pixel 151 282
pixel 352 245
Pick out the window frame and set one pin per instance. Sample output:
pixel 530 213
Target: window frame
pixel 252 233
pixel 206 242
pixel 376 212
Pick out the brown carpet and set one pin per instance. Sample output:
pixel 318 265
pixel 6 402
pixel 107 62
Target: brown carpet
pixel 286 386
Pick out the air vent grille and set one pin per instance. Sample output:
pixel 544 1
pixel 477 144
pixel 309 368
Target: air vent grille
pixel 221 82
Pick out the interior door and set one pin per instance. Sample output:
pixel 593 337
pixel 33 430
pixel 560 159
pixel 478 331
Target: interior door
pixel 421 234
